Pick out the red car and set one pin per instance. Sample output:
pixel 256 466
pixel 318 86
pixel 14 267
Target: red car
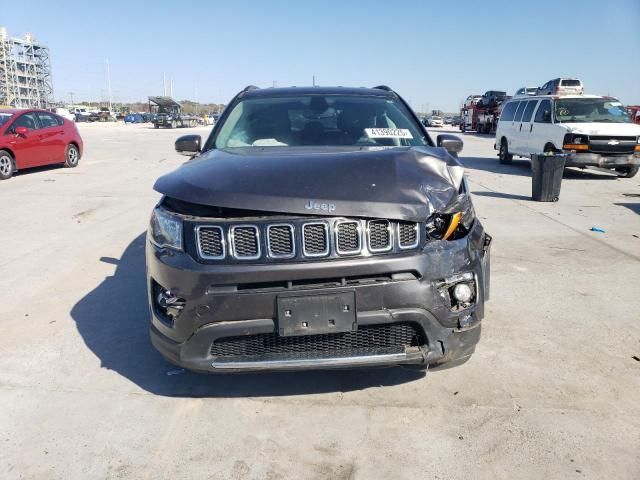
pixel 32 138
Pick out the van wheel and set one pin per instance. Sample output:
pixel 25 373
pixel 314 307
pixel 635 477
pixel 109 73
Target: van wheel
pixel 503 154
pixel 624 172
pixel 72 156
pixel 6 165
pixel 550 148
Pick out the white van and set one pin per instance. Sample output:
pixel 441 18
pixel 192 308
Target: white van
pixel 592 130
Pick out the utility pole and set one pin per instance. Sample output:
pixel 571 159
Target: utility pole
pixel 171 87
pixel 314 81
pixel 108 83
pixel 164 84
pixel 71 98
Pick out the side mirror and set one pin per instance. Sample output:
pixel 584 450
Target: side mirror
pixel 450 143
pixel 22 131
pixel 188 145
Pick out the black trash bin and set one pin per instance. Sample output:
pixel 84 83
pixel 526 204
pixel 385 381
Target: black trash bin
pixel 546 176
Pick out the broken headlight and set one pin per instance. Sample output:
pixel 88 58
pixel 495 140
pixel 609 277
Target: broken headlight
pixel 450 226
pixel 165 229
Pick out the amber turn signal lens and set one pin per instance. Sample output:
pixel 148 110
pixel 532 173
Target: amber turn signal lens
pixel 455 221
pixel 575 146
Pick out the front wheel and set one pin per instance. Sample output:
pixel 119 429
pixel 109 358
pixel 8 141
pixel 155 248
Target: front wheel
pixel 6 165
pixel 503 154
pixel 72 156
pixel 625 172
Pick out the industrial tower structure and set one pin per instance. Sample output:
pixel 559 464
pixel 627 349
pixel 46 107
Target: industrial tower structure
pixel 25 72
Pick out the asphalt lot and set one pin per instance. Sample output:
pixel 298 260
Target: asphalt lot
pixel 552 391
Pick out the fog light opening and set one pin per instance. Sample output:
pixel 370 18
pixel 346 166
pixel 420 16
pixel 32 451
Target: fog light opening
pixel 460 291
pixel 463 292
pixel 168 304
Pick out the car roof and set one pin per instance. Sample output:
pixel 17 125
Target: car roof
pixel 551 97
pixel 292 91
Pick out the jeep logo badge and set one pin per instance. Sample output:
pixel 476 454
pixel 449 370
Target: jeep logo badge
pixel 325 207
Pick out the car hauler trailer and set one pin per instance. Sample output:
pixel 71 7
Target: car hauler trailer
pixel 169 113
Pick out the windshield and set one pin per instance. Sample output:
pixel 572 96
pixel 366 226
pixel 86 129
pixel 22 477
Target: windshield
pixel 4 118
pixel 590 110
pixel 319 120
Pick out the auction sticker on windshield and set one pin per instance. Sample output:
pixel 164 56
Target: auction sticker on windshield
pixel 388 133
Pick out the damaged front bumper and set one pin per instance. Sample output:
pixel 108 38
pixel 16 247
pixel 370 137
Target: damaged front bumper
pixel 587 159
pixel 226 305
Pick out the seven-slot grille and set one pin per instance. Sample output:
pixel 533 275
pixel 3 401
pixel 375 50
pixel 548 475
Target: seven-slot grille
pixel 379 235
pixel 366 340
pixel 245 240
pixel 348 238
pixel 300 238
pixel 407 235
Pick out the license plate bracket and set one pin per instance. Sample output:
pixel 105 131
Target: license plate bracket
pixel 317 314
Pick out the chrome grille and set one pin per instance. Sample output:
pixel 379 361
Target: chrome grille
pixel 296 238
pixel 210 242
pixel 280 241
pixel 245 242
pixel 379 235
pixel 315 239
pixel 407 235
pixel 348 238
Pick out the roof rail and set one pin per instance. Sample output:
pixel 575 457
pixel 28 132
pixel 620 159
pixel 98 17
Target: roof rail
pixel 383 87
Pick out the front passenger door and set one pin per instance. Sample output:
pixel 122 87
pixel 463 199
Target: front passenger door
pixel 26 148
pixel 541 129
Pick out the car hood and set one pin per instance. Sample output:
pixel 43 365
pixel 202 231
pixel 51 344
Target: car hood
pixel 603 128
pixel 405 183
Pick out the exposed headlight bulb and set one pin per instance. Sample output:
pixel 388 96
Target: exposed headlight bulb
pixel 463 293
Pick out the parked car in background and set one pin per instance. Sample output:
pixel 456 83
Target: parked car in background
pixel 492 98
pixel 471 100
pixel 63 112
pixel 562 86
pixel 133 118
pixel 591 130
pixel 33 138
pixel 435 121
pixel 526 91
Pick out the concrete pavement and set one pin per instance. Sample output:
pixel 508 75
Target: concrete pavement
pixel 552 391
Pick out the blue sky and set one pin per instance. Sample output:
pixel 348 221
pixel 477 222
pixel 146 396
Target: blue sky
pixel 433 54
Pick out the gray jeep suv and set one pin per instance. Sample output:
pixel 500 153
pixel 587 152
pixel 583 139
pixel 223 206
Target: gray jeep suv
pixel 316 228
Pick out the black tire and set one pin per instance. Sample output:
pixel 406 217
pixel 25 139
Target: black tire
pixel 503 154
pixel 6 165
pixel 627 172
pixel 71 156
pixel 550 148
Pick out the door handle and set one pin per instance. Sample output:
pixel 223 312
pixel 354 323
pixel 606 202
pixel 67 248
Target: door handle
pixel 531 128
pixel 520 127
